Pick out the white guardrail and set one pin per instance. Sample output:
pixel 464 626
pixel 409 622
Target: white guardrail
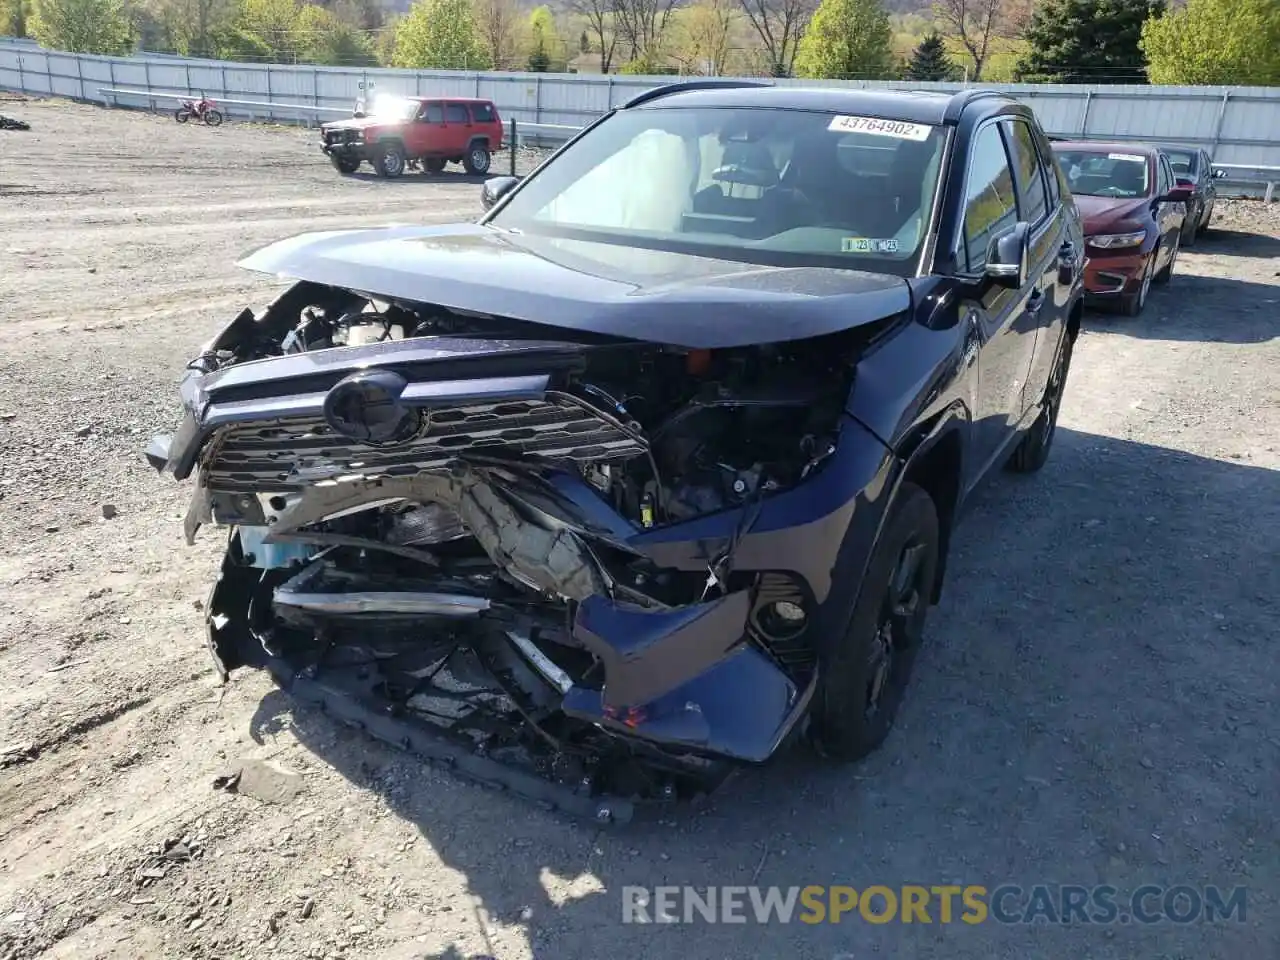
pixel 1265 181
pixel 1268 180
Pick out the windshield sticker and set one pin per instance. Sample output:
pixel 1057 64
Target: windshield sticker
pixel 867 245
pixel 898 129
pixel 1126 156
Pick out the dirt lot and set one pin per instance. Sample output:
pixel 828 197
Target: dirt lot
pixel 1097 703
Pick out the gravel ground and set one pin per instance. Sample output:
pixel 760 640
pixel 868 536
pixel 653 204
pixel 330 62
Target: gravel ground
pixel 1096 704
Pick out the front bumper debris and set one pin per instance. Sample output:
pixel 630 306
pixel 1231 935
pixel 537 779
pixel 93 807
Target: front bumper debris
pixel 466 592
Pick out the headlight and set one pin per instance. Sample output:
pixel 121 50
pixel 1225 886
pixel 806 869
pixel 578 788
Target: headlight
pixel 1112 241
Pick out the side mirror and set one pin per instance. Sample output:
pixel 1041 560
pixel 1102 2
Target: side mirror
pixel 1219 174
pixel 1178 194
pixel 495 188
pixel 1009 258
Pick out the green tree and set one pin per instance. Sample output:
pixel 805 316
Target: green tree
pixel 1215 42
pixel 1087 41
pixel 439 34
pixel 275 23
pixel 847 39
pixel 83 26
pixel 14 17
pixel 324 39
pixel 929 61
pixel 545 47
pixel 234 43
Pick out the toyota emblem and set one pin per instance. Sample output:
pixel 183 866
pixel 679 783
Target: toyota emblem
pixel 366 407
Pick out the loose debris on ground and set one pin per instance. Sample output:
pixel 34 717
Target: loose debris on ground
pixel 9 123
pixel 1095 703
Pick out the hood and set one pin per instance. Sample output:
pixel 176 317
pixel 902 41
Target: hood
pixel 358 123
pixel 1100 213
pixel 662 297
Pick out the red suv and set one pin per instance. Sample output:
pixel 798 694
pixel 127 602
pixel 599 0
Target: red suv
pixel 416 131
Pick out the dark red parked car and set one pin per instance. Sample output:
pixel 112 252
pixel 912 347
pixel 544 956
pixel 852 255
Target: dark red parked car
pixel 1193 168
pixel 1133 212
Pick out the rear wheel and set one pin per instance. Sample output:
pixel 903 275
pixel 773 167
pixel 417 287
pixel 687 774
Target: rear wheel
pixel 344 164
pixel 1032 452
pixel 477 159
pixel 390 161
pixel 867 670
pixel 213 118
pixel 182 115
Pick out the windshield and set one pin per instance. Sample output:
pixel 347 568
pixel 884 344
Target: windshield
pixel 766 186
pixel 1099 174
pixel 394 108
pixel 1183 163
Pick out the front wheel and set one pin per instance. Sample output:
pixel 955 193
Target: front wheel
pixel 390 161
pixel 865 673
pixel 344 164
pixel 1165 275
pixel 213 118
pixel 477 160
pixel 182 115
pixel 1132 304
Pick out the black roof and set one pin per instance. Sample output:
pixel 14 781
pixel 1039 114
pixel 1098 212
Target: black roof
pixel 914 106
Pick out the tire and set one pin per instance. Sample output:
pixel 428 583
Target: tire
pixel 1165 275
pixel 390 161
pixel 1032 452
pixel 433 165
pixel 1132 305
pixel 182 116
pixel 866 672
pixel 477 159
pixel 344 165
pixel 213 118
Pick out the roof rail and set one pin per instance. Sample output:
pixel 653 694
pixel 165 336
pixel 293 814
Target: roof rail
pixel 670 88
pixel 963 98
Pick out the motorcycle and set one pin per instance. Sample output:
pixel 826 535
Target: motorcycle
pixel 202 109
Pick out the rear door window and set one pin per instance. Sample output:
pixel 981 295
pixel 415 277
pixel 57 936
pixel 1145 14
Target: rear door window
pixel 482 112
pixel 434 113
pixel 1033 202
pixel 456 113
pixel 990 204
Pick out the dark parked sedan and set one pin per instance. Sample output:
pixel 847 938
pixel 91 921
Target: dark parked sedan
pixel 657 467
pixel 1133 214
pixel 1192 168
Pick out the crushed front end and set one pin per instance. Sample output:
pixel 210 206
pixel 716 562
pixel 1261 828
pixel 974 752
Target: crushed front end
pixel 591 570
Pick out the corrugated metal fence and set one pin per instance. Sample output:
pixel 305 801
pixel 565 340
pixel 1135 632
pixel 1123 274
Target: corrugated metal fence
pixel 1239 125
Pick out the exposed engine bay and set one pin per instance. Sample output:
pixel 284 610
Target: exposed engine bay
pixel 552 548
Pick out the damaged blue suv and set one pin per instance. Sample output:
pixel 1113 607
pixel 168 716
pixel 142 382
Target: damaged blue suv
pixel 655 468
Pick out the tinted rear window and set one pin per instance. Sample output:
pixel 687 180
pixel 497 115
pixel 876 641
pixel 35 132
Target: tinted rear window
pixel 482 112
pixel 455 113
pixel 1182 162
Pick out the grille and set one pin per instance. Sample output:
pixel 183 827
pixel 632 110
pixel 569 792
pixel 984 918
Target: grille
pixel 293 453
